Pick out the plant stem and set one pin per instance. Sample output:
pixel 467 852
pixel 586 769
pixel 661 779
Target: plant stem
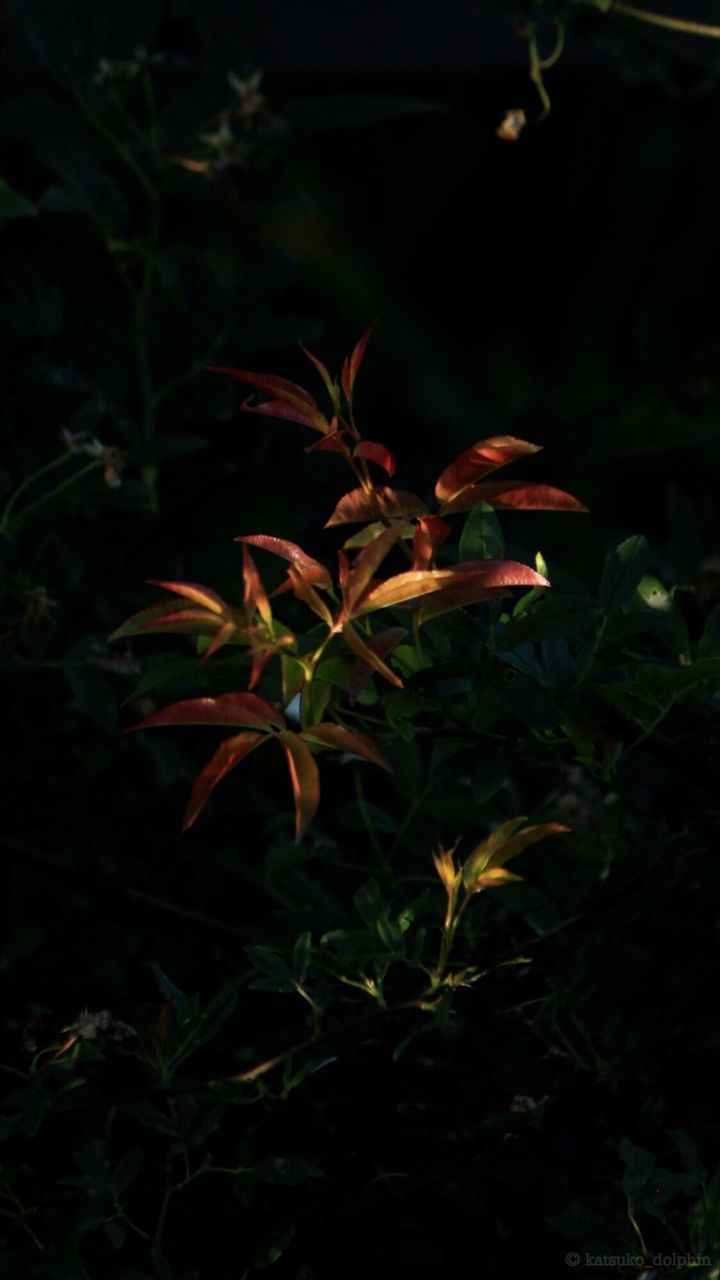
pixel 54 493
pixel 665 21
pixel 368 822
pixel 27 482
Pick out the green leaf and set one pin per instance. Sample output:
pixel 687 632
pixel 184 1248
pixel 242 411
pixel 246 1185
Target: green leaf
pixel 554 617
pixel 271 1247
pixel 301 956
pixel 623 572
pixel 127 1170
pixel 709 642
pixel 269 962
pixel 488 776
pixel 13 204
pixel 481 538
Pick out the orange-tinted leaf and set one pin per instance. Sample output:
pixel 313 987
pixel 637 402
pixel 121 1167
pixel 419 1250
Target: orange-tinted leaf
pixel 494 877
pixel 430 533
pixel 306 592
pixel 506 842
pixel 340 738
pixel 281 409
pixel 312 570
pixel 381 644
pixel 305 780
pixel 365 565
pixel 376 453
pixel 193 591
pixel 226 631
pixel 363 536
pixel 523 840
pixel 170 617
pixel 479 460
pixel 352 365
pixel 230 753
pixel 368 656
pixel 519 495
pixel 359 505
pixel 245 710
pixel 499 573
pixel 256 600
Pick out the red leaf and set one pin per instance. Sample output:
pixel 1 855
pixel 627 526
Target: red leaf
pixel 430 533
pixel 281 388
pixel 513 495
pixel 366 563
pixel 351 366
pixel 359 505
pixel 279 409
pixel 376 453
pixel 333 442
pixel 498 573
pixel 340 738
pixel 193 591
pixel 230 753
pixel 242 709
pixel 381 644
pixel 256 600
pixel 479 460
pixel 368 656
pixel 305 780
pixel 311 570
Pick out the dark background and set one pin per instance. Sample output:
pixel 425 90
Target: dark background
pixel 562 289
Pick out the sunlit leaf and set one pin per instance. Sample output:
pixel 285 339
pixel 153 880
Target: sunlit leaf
pixel 245 710
pixel 360 505
pixel 255 599
pixel 341 738
pixel 228 754
pixel 365 566
pixel 312 571
pixel 363 536
pixel 170 617
pixel 376 453
pixel 494 877
pixel 430 534
pixel 305 780
pixel 519 495
pixel 506 842
pixel 485 573
pixel 225 633
pixel 352 365
pixel 478 461
pixel 193 591
pixel 368 655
